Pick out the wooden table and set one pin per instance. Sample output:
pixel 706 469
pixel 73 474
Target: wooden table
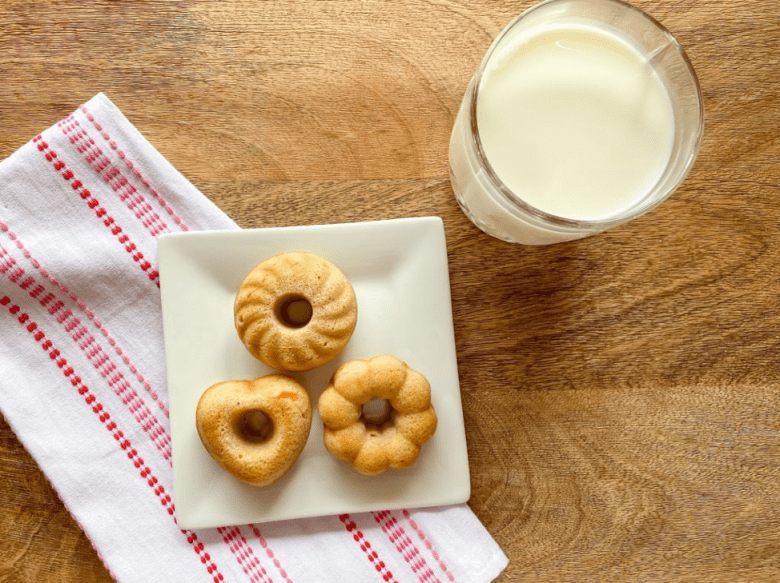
pixel 621 393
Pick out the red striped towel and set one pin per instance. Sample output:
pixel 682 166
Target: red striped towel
pixel 82 378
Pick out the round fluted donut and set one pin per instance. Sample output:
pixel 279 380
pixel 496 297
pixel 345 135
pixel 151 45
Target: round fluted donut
pixel 256 455
pixel 370 448
pixel 295 345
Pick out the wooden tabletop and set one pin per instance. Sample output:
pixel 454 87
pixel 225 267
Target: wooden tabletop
pixel 621 393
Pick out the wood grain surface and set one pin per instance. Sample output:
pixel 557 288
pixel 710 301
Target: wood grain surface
pixel 621 393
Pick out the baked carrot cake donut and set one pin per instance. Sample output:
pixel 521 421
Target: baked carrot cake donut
pixel 255 429
pixel 373 441
pixel 295 311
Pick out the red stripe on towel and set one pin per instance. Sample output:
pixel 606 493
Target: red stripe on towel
pixel 119 183
pixel 102 363
pixel 429 545
pixel 409 551
pixel 38 289
pixel 270 553
pixel 244 555
pixel 134 167
pixel 119 436
pixel 94 204
pixel 365 546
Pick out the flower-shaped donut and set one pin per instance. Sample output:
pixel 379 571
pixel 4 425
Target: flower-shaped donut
pixel 295 311
pixel 372 447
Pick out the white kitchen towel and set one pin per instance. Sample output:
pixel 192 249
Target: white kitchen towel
pixel 82 378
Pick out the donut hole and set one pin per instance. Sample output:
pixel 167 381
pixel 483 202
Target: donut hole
pixel 254 426
pixel 374 414
pixel 293 310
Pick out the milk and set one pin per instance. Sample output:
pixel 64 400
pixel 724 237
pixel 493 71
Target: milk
pixel 574 121
pixel 568 128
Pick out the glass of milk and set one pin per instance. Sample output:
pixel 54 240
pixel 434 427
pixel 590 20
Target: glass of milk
pixel 583 114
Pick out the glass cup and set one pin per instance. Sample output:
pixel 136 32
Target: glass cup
pixel 573 191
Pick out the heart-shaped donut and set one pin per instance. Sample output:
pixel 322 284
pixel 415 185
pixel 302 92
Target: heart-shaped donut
pixel 255 429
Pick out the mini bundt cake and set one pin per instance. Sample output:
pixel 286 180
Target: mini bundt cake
pixel 255 429
pixel 295 311
pixel 369 442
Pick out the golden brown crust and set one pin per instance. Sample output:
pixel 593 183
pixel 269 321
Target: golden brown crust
pixel 396 444
pixel 259 463
pixel 295 274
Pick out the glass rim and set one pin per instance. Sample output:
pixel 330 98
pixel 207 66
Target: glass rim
pixel 596 224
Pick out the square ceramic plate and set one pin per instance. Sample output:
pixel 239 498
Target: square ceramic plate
pixel 399 271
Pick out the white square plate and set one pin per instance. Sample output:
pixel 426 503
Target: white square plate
pixel 399 271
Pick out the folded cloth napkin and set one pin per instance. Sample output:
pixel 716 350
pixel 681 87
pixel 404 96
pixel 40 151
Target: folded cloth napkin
pixel 82 378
